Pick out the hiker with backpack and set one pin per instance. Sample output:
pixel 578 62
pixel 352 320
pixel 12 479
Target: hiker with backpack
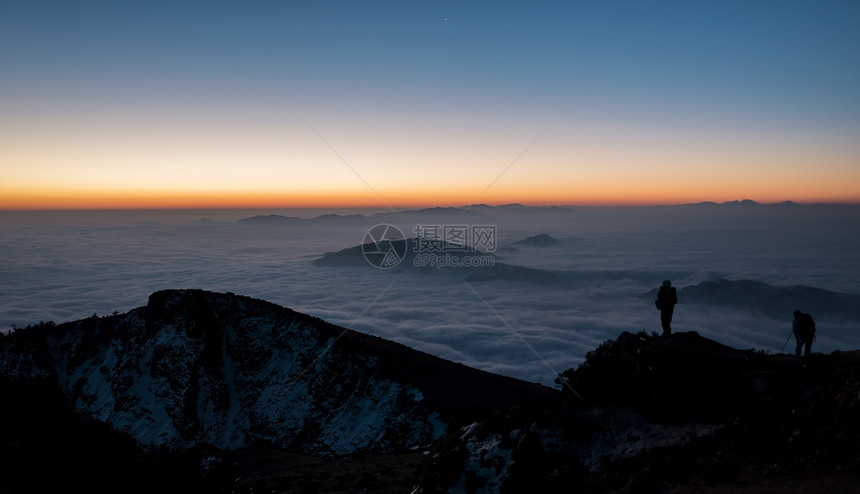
pixel 803 328
pixel 667 297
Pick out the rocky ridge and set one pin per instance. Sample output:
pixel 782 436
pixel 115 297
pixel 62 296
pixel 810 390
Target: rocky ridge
pixel 224 393
pixel 195 367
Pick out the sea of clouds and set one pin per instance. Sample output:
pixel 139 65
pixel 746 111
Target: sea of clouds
pixel 62 266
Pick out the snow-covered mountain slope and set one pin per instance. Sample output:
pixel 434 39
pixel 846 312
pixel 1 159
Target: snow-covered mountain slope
pixel 195 367
pixel 268 397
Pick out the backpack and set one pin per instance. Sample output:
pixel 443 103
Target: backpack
pixel 806 325
pixel 658 304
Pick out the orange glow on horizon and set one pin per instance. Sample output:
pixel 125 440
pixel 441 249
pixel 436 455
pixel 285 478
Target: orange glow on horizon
pixel 334 199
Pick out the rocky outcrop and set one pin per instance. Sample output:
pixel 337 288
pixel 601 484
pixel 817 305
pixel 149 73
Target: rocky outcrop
pixel 195 367
pixel 645 413
pixel 233 394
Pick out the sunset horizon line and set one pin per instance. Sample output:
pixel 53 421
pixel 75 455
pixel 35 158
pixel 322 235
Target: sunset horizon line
pixel 418 206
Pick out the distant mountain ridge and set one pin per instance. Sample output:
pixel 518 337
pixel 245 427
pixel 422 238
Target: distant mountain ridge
pixel 752 203
pixel 772 301
pixel 478 212
pixel 423 261
pixel 475 212
pixel 539 240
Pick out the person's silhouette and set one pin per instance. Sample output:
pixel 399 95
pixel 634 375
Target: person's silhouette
pixel 667 297
pixel 803 328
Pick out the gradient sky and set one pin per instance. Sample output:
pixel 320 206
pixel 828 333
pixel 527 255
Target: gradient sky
pixel 287 103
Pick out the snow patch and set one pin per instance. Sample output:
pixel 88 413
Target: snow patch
pixel 488 461
pixel 625 434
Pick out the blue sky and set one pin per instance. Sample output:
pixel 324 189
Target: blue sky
pixel 785 74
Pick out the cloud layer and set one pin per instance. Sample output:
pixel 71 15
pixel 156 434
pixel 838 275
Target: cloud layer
pixel 64 266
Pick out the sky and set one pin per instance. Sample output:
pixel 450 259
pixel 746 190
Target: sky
pixel 391 104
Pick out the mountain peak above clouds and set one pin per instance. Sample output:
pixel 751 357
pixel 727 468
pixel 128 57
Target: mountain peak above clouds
pixel 742 202
pixel 195 367
pixel 540 240
pixel 268 219
pixel 239 393
pixel 443 214
pixel 445 258
pixel 778 302
pixel 751 203
pixel 735 203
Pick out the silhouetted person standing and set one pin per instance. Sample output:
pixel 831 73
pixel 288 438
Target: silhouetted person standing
pixel 667 297
pixel 803 328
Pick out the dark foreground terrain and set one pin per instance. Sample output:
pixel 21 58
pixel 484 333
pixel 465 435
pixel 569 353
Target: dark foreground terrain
pixel 642 414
